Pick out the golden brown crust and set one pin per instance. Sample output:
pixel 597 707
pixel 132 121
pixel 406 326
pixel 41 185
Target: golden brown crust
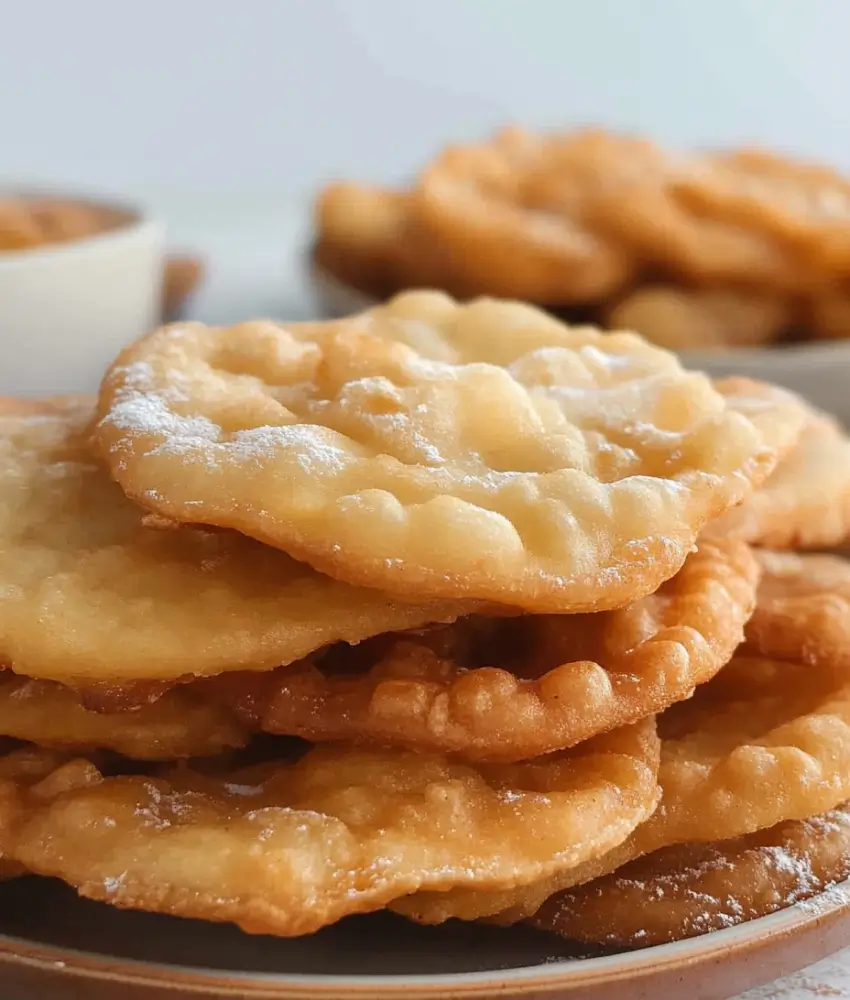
pixel 751 247
pixel 803 611
pixel 783 728
pixel 549 682
pixel 513 229
pixel 288 848
pixel 480 452
pixel 21 770
pixel 692 889
pixel 683 319
pixel 181 723
pixel 90 595
pixel 805 502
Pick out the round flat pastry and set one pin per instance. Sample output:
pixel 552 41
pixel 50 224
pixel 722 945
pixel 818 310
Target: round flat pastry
pixel 362 231
pixel 88 594
pixel 508 215
pixel 21 769
pixel 783 728
pixel 805 503
pixel 803 610
pixel 803 207
pixel 180 723
pixel 286 848
pixel 685 319
pixel 691 889
pixel 479 452
pixel 515 688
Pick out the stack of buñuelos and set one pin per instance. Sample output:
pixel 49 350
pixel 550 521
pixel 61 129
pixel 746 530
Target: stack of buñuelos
pixel 452 609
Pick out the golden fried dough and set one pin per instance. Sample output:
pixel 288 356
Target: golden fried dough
pixel 534 464
pixel 288 848
pixel 828 314
pixel 182 723
pixel 511 227
pixel 652 221
pixel 21 769
pixel 548 681
pixel 803 207
pixel 740 219
pixel 683 319
pixel 362 232
pixel 90 595
pixel 783 725
pixel 805 503
pixel 764 742
pixel 695 249
pixel 691 889
pixel 803 611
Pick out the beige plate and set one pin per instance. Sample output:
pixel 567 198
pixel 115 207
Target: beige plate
pixel 55 947
pixel 820 371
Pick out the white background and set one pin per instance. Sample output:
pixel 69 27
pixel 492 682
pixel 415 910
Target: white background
pixel 271 96
pixel 226 115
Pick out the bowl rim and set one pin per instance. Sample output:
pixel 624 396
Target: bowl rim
pixel 136 219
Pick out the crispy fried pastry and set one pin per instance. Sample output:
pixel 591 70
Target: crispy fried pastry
pixel 362 232
pixel 534 464
pixel 691 889
pixel 803 612
pixel 785 725
pixel 20 770
pixel 805 503
pixel 369 238
pixel 658 228
pixel 182 723
pixel 90 595
pixel 529 685
pixel 804 207
pixel 749 247
pixel 828 315
pixel 764 742
pixel 684 319
pixel 289 847
pixel 511 224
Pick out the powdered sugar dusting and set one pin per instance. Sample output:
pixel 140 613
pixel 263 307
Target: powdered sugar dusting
pixel 141 411
pixel 113 885
pixel 138 409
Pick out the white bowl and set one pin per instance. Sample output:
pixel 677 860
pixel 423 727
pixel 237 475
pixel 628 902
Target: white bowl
pixel 820 371
pixel 67 309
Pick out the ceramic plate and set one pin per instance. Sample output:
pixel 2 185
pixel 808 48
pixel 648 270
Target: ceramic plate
pixel 54 946
pixel 820 371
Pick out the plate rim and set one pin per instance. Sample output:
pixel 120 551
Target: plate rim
pixel 827 906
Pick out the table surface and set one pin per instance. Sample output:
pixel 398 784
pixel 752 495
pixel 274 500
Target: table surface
pixel 254 250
